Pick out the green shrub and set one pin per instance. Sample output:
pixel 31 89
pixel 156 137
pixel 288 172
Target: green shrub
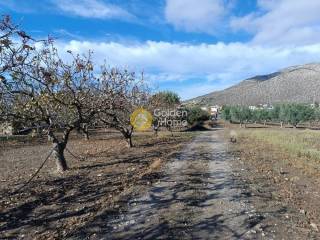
pixel 196 114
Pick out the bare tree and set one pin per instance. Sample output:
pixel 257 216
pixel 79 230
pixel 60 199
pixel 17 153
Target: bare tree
pixel 125 94
pixel 50 92
pixel 14 46
pixel 40 89
pixel 14 49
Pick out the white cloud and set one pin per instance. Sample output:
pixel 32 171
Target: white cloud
pixel 209 64
pixel 19 6
pixel 92 9
pixel 267 4
pixel 65 33
pixel 194 15
pixel 283 22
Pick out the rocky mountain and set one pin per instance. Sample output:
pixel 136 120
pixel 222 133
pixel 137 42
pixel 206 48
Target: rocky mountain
pixel 294 84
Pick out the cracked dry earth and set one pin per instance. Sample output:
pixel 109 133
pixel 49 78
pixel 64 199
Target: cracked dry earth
pixel 197 198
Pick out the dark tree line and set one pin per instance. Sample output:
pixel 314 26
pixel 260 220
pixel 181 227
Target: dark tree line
pixel 291 113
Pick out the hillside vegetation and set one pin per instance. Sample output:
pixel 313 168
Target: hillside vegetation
pixel 298 84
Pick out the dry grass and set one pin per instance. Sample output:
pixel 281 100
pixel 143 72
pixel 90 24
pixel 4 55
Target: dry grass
pixel 156 164
pixel 302 146
pixel 282 169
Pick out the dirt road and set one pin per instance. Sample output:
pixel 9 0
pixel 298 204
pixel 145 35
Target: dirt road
pixel 198 198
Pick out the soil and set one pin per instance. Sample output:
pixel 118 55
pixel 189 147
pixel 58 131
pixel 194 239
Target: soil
pixel 102 173
pixel 198 197
pixel 164 188
pixel 288 198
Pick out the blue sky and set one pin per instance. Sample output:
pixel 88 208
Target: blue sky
pixel 190 46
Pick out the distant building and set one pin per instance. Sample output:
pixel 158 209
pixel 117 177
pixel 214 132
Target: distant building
pixel 214 110
pixel 266 106
pixel 261 106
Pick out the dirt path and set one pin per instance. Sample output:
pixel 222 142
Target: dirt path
pixel 198 198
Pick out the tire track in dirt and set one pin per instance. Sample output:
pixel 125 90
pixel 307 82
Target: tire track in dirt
pixel 198 198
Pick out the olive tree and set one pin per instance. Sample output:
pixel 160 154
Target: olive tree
pixel 297 113
pixel 241 114
pixel 164 101
pixel 196 114
pixel 226 113
pixel 261 115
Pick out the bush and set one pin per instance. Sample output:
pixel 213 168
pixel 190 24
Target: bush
pixel 196 114
pixel 165 99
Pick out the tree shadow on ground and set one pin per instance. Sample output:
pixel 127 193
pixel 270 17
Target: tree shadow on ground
pixel 176 208
pixel 81 205
pixel 57 205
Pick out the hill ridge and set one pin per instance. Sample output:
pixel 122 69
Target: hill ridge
pixel 300 83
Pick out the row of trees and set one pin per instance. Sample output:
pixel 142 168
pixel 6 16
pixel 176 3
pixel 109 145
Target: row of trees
pixel 40 89
pixel 292 113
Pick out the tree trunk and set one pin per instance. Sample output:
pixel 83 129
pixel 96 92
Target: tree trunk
pixel 129 141
pixel 58 153
pixel 58 149
pixel 170 130
pixel 128 136
pixel 86 135
pixel 264 123
pixel 39 131
pixel 155 131
pixel 281 124
pixel 86 132
pixel 50 138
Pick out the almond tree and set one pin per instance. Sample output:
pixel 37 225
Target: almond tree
pixel 14 50
pixel 53 94
pixel 14 46
pixel 125 93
